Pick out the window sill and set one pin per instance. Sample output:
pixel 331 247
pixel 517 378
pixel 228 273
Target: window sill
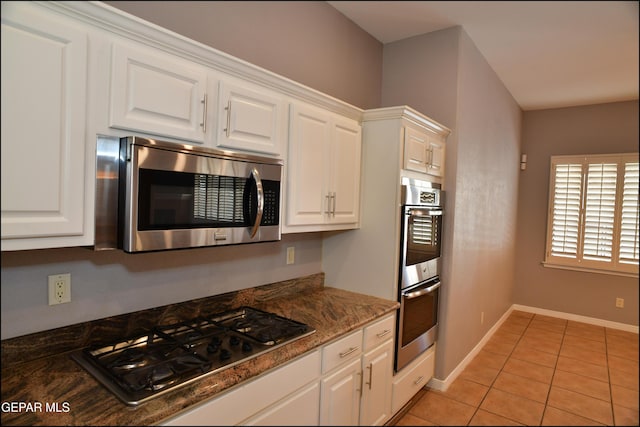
pixel 589 270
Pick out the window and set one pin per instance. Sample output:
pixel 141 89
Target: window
pixel 593 213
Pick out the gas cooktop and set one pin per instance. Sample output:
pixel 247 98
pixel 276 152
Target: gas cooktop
pixel 154 362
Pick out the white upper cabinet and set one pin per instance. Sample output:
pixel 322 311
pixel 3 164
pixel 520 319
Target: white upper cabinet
pixel 323 171
pixel 73 71
pixel 250 119
pixel 158 93
pixel 424 152
pixel 44 84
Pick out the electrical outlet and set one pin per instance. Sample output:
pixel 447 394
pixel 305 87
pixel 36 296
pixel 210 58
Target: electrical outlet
pixel 291 254
pixel 620 302
pixel 59 288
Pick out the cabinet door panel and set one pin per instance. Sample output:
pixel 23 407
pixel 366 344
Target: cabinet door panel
pixel 44 69
pixel 436 157
pixel 340 396
pixel 307 162
pixel 345 173
pixel 249 120
pixel 415 150
pixel 376 389
pixel 157 93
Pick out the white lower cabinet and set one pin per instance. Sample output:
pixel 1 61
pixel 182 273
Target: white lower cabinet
pixel 341 395
pixel 377 365
pixel 268 392
pixel 300 409
pixel 346 382
pixel 358 391
pixel 412 378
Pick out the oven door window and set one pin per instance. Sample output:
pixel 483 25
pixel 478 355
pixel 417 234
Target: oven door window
pixel 423 235
pixel 420 314
pixel 182 200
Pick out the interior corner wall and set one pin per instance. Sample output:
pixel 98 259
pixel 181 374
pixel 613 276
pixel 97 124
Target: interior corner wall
pixel 444 76
pixel 594 129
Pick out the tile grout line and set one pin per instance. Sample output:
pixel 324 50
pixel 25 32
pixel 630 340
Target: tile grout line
pixel 555 368
pixel 606 349
pixel 499 371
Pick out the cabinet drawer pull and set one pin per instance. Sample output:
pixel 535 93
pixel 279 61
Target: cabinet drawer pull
pixel 204 114
pixel 419 380
pixel 383 333
pixel 348 352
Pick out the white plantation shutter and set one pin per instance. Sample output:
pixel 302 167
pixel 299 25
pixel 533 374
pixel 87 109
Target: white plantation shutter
pixel 599 211
pixel 629 221
pixel 593 213
pixel 566 209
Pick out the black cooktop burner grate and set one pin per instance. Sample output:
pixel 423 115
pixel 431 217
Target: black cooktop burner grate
pixel 153 362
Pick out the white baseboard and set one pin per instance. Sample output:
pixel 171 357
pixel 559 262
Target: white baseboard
pixel 442 385
pixel 577 318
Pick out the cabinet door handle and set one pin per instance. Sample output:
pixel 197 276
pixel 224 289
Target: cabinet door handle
pixel 227 128
pixel 204 113
pixel 333 211
pixel 370 368
pixel 419 380
pixel 328 210
pixel 359 389
pixel 383 333
pixel 348 352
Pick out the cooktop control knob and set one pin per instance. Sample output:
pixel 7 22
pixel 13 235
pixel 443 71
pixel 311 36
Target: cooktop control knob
pixel 234 340
pixel 246 347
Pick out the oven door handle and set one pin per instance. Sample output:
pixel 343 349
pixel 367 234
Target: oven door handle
pixel 422 212
pixel 260 194
pixel 419 293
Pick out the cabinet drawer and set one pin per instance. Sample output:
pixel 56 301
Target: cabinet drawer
pixel 408 383
pixel 344 349
pixel 379 332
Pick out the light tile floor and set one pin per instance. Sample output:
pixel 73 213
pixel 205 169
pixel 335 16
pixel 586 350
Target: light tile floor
pixel 540 370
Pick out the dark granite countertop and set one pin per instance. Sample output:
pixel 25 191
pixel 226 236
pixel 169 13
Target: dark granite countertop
pixel 53 389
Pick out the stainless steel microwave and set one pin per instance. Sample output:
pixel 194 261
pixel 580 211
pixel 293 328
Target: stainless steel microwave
pixel 153 195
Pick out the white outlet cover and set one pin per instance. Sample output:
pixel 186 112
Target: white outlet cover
pixel 65 280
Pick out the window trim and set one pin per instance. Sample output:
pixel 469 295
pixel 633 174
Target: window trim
pixel 578 262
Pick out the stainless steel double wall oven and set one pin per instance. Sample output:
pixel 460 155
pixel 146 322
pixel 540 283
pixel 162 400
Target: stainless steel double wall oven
pixel 419 276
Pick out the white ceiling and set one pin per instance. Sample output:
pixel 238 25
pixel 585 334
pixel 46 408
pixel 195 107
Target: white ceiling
pixel 548 54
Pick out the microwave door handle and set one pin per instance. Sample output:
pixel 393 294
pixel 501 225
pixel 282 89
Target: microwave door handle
pixel 416 294
pixel 260 192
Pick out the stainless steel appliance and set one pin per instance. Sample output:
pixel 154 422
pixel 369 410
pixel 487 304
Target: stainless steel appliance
pixel 419 276
pixel 153 195
pixel 154 362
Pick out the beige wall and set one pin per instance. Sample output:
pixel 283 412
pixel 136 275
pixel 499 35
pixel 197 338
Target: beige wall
pixel 307 41
pixel 596 129
pixel 444 76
